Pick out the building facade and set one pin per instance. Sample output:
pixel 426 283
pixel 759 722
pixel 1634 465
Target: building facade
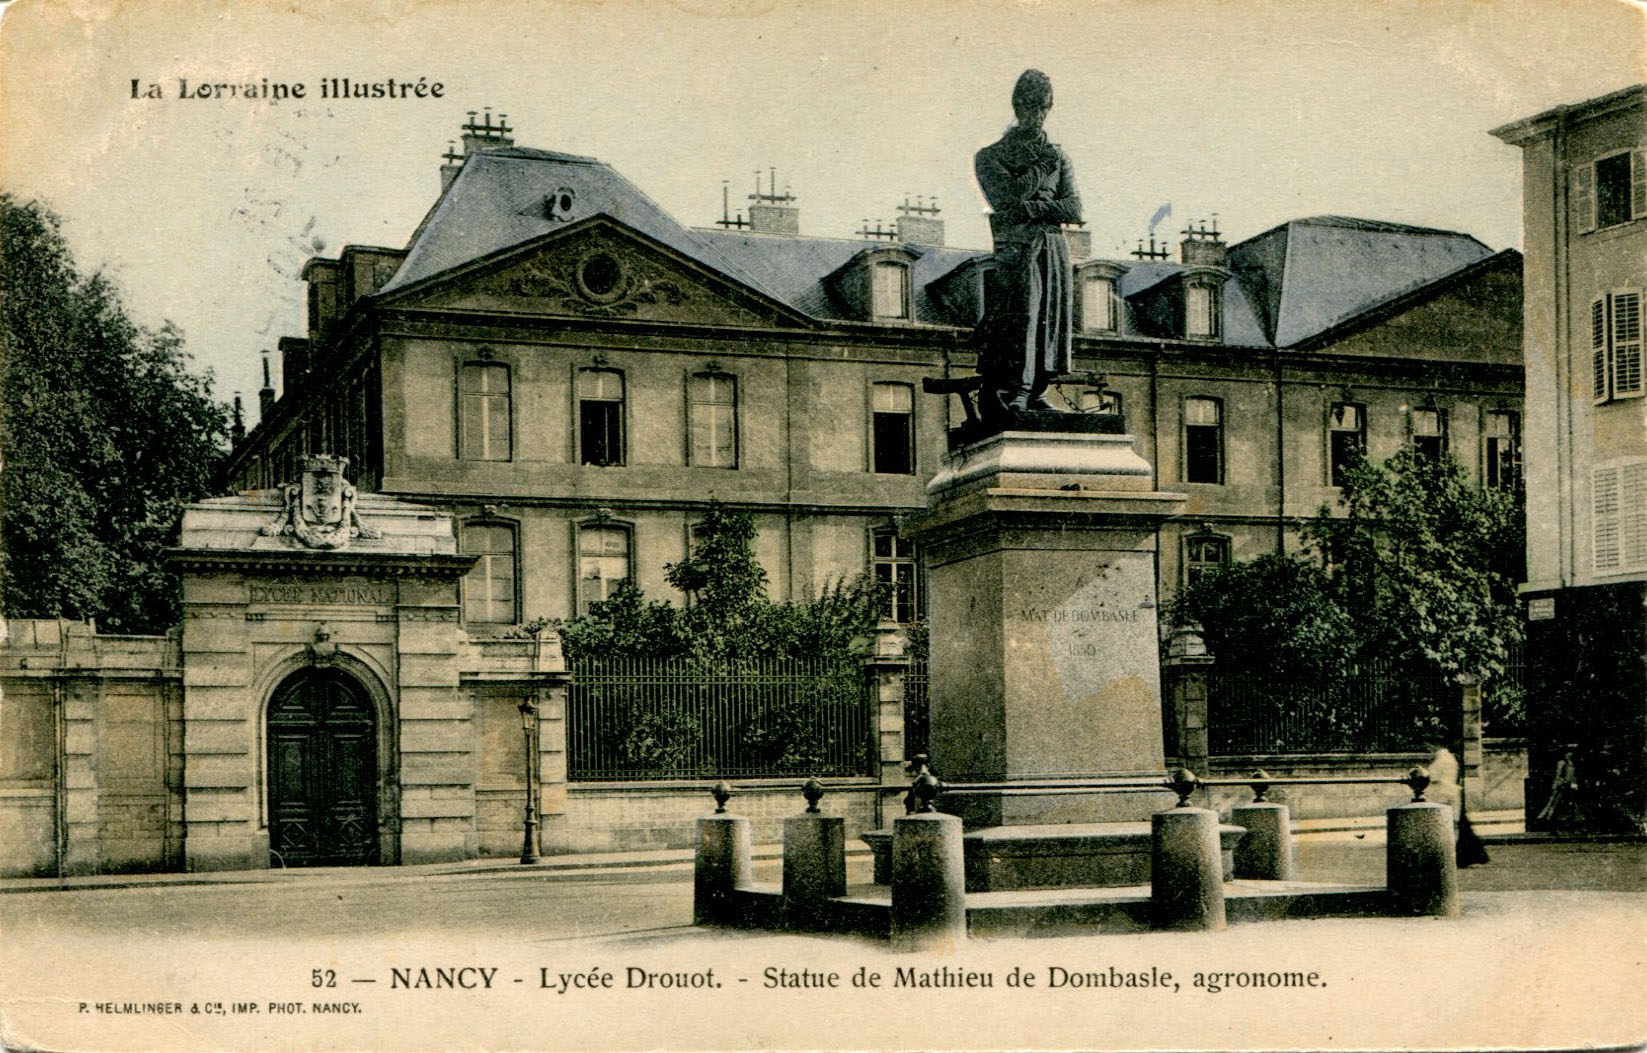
pixel 1585 219
pixel 574 374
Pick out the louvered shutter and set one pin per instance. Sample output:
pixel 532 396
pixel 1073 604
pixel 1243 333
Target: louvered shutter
pixel 1626 344
pixel 1604 555
pixel 1584 197
pixel 1632 515
pixel 1638 184
pixel 1598 347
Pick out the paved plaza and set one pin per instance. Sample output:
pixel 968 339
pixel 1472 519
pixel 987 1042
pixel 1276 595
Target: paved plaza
pixel 598 952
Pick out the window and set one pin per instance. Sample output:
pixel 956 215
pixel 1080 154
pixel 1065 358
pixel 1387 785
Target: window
pixel 489 589
pixel 1203 441
pixel 1615 346
pixel 483 412
pixel 1501 449
pixel 889 293
pixel 1201 311
pixel 714 420
pixel 603 562
pixel 600 416
pixel 1429 428
pixel 1618 510
pixel 1202 553
pixel 1098 304
pixel 1610 190
pixel 1346 439
pixel 892 560
pixel 893 407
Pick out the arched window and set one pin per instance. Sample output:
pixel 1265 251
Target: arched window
pixel 1203 440
pixel 892 408
pixel 714 420
pixel 604 562
pixel 490 596
pixel 892 562
pixel 600 416
pixel 1203 553
pixel 889 291
pixel 483 412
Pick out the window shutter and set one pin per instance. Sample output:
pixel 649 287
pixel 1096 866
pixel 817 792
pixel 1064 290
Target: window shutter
pixel 1626 343
pixel 1638 184
pixel 1632 514
pixel 1604 555
pixel 1598 347
pixel 1584 197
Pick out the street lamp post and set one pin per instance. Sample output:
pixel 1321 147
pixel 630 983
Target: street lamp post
pixel 528 723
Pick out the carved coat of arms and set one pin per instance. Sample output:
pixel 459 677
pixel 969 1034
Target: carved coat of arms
pixel 320 510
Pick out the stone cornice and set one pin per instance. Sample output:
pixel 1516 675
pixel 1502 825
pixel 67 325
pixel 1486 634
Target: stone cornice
pixel 394 565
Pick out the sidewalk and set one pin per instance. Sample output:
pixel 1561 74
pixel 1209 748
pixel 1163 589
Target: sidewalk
pixel 1492 826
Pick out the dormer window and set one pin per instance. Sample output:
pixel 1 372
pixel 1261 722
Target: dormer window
pixel 1202 308
pixel 875 284
pixel 891 290
pixel 1098 303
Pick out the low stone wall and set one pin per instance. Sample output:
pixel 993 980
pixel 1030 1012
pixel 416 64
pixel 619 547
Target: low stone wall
pixel 616 817
pixel 1499 787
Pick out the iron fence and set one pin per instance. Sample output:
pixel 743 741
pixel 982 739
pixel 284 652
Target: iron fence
pixel 1504 699
pixel 680 718
pixel 917 711
pixel 1373 709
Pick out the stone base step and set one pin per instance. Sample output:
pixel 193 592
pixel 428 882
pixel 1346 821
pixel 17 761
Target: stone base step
pixel 866 909
pixel 1053 855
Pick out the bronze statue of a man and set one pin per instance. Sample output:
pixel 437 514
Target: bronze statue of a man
pixel 1024 340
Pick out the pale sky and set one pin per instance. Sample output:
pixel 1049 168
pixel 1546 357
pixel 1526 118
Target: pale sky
pixel 204 210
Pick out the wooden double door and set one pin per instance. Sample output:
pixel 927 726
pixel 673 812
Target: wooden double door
pixel 323 772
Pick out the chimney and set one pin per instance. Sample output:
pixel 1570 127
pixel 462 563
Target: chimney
pixel 918 224
pixel 265 394
pixel 453 165
pixel 1079 239
pixel 772 212
pixel 294 363
pixel 486 135
pixel 1202 247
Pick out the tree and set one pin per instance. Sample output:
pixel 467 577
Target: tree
pixel 728 616
pixel 687 725
pixel 1277 615
pixel 106 434
pixel 1425 563
pixel 1409 590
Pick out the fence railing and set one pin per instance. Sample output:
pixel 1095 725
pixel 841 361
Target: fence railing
pixel 917 711
pixel 1375 709
pixel 674 718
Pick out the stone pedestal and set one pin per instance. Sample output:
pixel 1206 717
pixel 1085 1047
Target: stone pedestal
pixel 1040 550
pixel 928 883
pixel 1418 865
pixel 1265 853
pixel 1186 878
pixel 724 861
pixel 814 867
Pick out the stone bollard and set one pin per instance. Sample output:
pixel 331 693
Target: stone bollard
pixel 723 862
pixel 1186 878
pixel 814 862
pixel 928 877
pixel 1265 853
pixel 1418 861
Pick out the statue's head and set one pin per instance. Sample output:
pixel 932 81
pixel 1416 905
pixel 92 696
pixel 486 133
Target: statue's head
pixel 1032 96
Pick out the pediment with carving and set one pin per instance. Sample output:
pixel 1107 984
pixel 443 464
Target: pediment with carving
pixel 602 274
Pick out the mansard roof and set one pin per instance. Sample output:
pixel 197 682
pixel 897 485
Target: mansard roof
pixel 1285 286
pixel 1308 275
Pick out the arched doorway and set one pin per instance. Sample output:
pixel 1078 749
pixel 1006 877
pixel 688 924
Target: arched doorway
pixel 322 736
